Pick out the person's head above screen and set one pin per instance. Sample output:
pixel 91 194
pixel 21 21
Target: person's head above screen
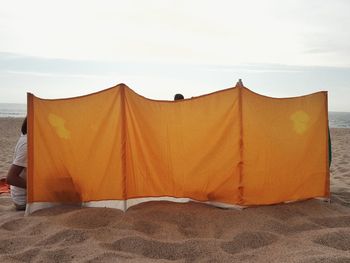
pixel 179 96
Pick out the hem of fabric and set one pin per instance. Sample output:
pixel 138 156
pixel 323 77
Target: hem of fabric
pixel 124 205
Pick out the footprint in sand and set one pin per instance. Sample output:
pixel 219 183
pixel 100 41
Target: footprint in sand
pixel 333 221
pixel 26 256
pixel 65 237
pixel 38 229
pixel 284 228
pixel 326 259
pixel 102 217
pixel 56 255
pixel 338 240
pixel 14 225
pixel 189 250
pixel 109 257
pixel 145 227
pixel 248 240
pixel 14 245
pixel 185 224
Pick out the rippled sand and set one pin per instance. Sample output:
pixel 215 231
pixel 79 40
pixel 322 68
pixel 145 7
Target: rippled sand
pixel 308 231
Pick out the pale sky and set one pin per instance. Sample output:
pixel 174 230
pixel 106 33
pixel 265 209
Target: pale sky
pixel 58 49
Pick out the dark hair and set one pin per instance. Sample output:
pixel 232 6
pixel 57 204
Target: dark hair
pixel 179 97
pixel 24 126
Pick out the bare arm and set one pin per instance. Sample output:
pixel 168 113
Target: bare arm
pixel 13 176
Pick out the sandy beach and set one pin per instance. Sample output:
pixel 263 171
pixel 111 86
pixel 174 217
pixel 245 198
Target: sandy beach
pixel 307 231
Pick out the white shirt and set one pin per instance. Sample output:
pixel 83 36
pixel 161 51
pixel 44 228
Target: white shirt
pixel 18 194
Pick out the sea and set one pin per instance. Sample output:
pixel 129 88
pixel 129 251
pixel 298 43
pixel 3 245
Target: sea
pixel 339 119
pixel 15 110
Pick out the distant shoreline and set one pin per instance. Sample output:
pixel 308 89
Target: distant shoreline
pixel 337 119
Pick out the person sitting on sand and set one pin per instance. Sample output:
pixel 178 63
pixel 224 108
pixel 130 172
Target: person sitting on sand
pixel 179 97
pixel 16 176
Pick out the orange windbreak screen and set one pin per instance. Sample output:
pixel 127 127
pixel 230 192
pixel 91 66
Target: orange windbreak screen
pixel 231 146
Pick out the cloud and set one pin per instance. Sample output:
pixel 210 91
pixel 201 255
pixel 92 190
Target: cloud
pixel 188 32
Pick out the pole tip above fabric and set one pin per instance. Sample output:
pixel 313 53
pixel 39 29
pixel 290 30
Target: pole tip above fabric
pixel 239 83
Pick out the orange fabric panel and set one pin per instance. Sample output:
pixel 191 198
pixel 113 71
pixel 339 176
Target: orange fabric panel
pixel 231 146
pixel 186 148
pixel 285 146
pixel 76 148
